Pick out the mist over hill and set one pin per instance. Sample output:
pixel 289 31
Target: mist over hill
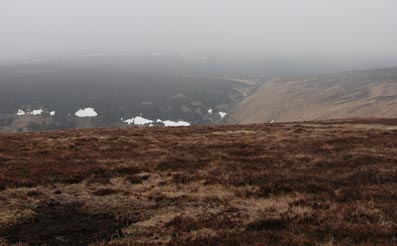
pixel 198 122
pixel 119 90
pixel 124 89
pixel 43 94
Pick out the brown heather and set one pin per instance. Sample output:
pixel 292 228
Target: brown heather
pixel 314 183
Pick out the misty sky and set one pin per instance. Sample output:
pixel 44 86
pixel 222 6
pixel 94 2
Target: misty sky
pixel 361 28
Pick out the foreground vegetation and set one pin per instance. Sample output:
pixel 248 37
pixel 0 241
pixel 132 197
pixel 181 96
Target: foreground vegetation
pixel 330 183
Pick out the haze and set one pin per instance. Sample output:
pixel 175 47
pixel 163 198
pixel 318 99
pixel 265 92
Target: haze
pixel 359 29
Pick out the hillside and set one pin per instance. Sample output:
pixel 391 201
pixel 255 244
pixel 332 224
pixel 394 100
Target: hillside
pixel 117 89
pixel 370 93
pixel 318 183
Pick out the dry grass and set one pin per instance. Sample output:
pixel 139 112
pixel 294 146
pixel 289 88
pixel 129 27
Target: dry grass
pixel 370 93
pixel 278 184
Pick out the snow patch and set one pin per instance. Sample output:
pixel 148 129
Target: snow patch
pixel 210 110
pixel 20 112
pixel 141 121
pixel 138 121
pixel 33 112
pixel 86 112
pixel 52 113
pixel 128 121
pixel 173 123
pixel 222 114
pixel 37 112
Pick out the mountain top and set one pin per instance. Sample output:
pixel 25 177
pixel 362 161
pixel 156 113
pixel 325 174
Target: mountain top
pixel 307 183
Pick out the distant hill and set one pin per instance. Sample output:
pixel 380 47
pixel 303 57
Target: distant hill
pixel 46 95
pixel 370 93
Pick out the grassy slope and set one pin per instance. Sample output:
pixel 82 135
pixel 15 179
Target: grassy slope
pixel 371 93
pixel 275 184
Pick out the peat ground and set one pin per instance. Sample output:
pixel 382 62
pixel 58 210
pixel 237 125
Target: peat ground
pixel 313 183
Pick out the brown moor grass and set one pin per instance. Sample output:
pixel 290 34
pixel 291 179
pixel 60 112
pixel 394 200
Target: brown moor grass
pixel 272 184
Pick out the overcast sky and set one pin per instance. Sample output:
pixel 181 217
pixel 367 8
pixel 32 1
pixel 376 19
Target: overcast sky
pixel 281 27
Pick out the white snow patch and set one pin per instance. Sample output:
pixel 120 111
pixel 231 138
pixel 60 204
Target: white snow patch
pixel 174 123
pixel 141 121
pixel 86 112
pixel 210 111
pixel 33 112
pixel 138 121
pixel 20 112
pixel 36 112
pixel 222 114
pixel 128 121
pixel 52 113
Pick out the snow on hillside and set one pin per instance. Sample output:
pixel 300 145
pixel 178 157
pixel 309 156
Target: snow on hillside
pixel 86 112
pixel 20 112
pixel 222 114
pixel 173 123
pixel 140 121
pixel 33 112
pixel 37 112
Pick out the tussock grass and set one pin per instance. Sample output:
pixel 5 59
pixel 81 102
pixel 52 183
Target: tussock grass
pixel 316 183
